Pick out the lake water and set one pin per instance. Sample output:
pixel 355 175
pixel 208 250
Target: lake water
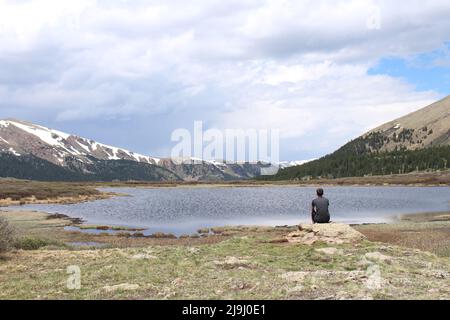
pixel 184 210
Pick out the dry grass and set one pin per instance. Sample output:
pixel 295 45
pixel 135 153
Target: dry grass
pixel 242 267
pixel 6 235
pixel 429 232
pixel 20 189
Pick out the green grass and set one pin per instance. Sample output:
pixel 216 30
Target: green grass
pixel 240 263
pixel 32 243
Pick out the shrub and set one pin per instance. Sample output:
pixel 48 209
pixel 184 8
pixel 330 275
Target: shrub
pixel 29 243
pixel 6 235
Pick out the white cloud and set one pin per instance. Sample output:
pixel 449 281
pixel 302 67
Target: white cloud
pixel 300 66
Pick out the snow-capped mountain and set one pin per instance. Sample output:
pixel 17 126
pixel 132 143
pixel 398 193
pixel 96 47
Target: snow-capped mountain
pixel 34 146
pixel 20 137
pixel 287 164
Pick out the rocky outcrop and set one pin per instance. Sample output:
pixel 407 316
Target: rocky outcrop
pixel 330 233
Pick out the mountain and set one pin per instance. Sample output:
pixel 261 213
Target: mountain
pixel 21 137
pixel 288 164
pixel 419 141
pixel 424 128
pixel 30 151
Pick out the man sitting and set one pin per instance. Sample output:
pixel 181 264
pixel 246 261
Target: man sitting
pixel 320 213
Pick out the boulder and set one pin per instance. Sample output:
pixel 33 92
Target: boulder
pixel 331 233
pixel 329 251
pixel 233 262
pixel 121 287
pixel 378 257
pixel 143 256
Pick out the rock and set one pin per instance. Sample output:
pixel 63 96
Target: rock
pixel 378 257
pixel 356 275
pixel 241 286
pixel 143 256
pixel 320 275
pixel 364 263
pixel 233 262
pixel 331 233
pixel 193 250
pixel 439 274
pixel 330 251
pixel 122 286
pixel 295 276
pixel 297 288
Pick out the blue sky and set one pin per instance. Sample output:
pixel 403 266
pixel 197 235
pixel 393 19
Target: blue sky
pixel 129 73
pixel 426 71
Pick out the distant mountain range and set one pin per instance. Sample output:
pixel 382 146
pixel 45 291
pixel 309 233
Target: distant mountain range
pixel 30 151
pixel 419 141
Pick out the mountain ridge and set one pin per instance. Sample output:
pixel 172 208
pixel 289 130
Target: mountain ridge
pixel 86 159
pixel 418 141
pixel 428 126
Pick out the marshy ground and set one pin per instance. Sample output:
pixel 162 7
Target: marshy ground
pixel 404 260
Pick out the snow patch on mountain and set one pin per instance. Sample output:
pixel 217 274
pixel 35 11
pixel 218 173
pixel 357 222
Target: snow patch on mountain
pixel 287 164
pixel 14 152
pixel 4 123
pixel 51 137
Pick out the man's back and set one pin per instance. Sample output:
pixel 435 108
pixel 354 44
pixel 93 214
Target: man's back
pixel 321 205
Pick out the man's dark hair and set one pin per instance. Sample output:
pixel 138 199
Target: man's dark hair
pixel 319 192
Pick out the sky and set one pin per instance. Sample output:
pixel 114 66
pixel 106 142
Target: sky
pixel 128 73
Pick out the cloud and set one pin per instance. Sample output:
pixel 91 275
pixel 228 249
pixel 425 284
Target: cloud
pixel 300 66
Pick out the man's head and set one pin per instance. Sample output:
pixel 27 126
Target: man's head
pixel 319 192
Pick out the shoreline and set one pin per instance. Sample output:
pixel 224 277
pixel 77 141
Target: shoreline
pixel 420 179
pixel 21 192
pixel 80 225
pixel 82 228
pixel 53 225
pixel 4 203
pixel 413 259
